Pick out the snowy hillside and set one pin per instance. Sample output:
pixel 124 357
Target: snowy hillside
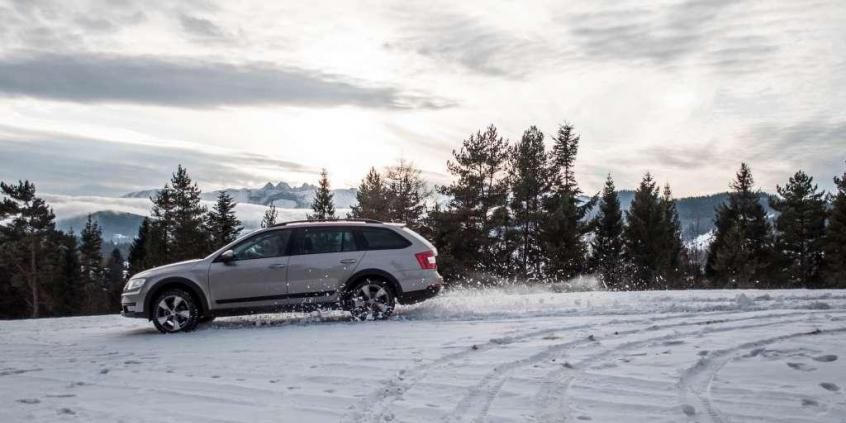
pixel 117 227
pixel 696 214
pixel 701 242
pixel 496 355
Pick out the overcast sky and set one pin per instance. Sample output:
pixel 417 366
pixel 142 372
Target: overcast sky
pixel 106 97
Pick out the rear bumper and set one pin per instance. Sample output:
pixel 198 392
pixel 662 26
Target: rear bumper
pixel 412 297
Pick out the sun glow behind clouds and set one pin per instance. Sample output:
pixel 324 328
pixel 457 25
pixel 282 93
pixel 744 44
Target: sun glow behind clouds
pixel 244 93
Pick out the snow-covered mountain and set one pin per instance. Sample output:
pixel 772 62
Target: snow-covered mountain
pixel 281 195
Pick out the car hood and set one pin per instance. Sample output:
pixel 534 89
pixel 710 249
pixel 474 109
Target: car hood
pixel 173 267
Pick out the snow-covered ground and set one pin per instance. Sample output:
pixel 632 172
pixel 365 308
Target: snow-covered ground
pixel 469 356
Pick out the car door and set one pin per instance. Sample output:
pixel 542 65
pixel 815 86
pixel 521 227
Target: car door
pixel 323 258
pixel 257 274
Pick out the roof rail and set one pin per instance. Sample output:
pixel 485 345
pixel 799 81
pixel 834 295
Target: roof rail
pixel 327 220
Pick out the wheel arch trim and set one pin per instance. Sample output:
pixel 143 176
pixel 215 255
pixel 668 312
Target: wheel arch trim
pixel 175 281
pixel 376 273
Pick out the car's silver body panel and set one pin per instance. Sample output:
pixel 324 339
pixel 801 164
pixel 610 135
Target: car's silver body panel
pixel 290 280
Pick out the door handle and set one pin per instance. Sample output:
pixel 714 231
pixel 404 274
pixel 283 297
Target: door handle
pixel 348 261
pixel 277 266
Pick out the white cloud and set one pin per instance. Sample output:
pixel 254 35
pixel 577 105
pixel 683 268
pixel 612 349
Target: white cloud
pixel 67 206
pixel 649 86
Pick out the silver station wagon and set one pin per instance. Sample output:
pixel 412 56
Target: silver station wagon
pixel 362 266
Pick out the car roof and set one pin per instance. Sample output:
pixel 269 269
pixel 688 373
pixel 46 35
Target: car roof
pixel 336 222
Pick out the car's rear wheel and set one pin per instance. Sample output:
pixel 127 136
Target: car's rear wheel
pixel 371 299
pixel 174 311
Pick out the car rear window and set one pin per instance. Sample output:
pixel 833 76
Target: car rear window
pixel 382 239
pixel 326 240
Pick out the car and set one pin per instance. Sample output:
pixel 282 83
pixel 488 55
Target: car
pixel 363 266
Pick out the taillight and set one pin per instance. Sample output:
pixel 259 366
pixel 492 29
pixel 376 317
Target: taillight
pixel 427 260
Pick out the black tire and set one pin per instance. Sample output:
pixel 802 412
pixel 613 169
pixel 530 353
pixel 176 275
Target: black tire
pixel 175 310
pixel 370 299
pixel 207 319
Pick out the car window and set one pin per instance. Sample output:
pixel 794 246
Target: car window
pixel 265 245
pixel 382 239
pixel 326 240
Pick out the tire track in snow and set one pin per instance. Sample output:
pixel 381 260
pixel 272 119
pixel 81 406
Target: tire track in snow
pixel 475 405
pixel 376 408
pixel 695 384
pixel 552 403
pixel 561 382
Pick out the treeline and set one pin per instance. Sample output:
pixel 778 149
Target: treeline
pixel 513 212
pixel 47 272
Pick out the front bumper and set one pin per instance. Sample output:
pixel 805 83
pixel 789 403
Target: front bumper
pixel 132 305
pixel 412 297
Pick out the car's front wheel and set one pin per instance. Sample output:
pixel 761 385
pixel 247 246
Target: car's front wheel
pixel 371 299
pixel 174 311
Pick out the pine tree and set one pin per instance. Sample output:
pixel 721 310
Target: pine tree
pixel 189 239
pixel 27 231
pixel 406 194
pixel 115 278
pixel 529 188
pixel 480 168
pixel 442 228
pixel 159 236
pixel 800 228
pixel 138 249
pixel 670 269
pixel 834 242
pixel 563 160
pixel 644 235
pixel 222 223
pixel 607 243
pixel 66 289
pixel 371 198
pixel 741 253
pixel 91 265
pixel 505 240
pixel 12 297
pixel 561 234
pixel 323 205
pixel 270 216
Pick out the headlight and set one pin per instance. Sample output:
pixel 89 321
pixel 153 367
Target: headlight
pixel 133 284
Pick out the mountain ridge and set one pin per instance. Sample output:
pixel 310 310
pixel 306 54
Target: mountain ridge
pixel 116 227
pixel 696 213
pixel 281 195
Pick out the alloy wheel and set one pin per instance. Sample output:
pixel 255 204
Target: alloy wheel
pixel 371 301
pixel 173 313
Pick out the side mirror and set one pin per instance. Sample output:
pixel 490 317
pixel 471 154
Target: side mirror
pixel 227 256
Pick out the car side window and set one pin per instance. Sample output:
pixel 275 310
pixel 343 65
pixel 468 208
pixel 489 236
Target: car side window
pixel 326 240
pixel 382 239
pixel 264 245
